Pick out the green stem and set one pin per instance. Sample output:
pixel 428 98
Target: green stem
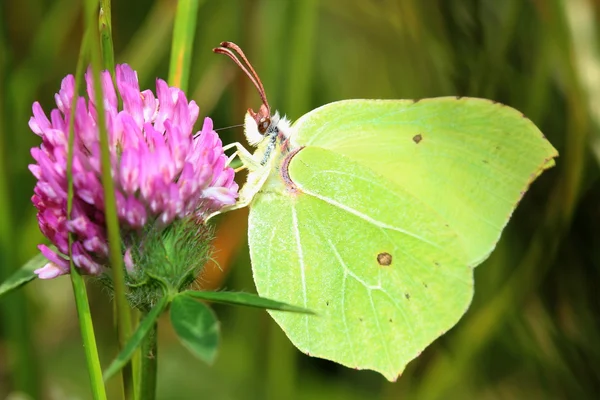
pixel 108 62
pixel 183 39
pixel 147 388
pixel 87 333
pixel 112 223
pixel 81 299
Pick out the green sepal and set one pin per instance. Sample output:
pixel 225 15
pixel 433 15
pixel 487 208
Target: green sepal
pixel 166 259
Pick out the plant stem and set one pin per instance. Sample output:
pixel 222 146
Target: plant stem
pixel 147 388
pixel 112 223
pixel 79 290
pixel 87 334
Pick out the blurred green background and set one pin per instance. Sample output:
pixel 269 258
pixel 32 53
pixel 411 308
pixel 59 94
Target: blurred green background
pixel 533 330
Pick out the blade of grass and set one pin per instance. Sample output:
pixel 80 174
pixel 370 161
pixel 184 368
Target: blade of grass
pixel 145 326
pixel 23 275
pixel 79 290
pixel 245 299
pixel 87 334
pixel 106 42
pixel 108 62
pixel 183 40
pixel 112 224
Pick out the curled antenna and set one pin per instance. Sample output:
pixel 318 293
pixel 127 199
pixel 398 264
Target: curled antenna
pixel 263 117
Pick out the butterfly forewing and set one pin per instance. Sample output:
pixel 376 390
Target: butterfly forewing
pixel 471 160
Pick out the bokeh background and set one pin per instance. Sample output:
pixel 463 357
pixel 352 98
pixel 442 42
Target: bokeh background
pixel 533 330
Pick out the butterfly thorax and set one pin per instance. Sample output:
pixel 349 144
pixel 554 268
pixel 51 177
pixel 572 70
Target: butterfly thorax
pixel 272 146
pixel 274 138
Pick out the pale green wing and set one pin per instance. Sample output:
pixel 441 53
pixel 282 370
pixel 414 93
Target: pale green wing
pixel 427 185
pixel 471 160
pixel 383 271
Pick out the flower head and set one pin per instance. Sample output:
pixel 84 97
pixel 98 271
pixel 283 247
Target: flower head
pixel 161 170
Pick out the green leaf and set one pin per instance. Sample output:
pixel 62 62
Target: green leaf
pixel 23 275
pixel 197 327
pixel 136 339
pixel 246 299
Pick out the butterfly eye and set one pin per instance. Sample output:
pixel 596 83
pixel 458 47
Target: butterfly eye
pixel 264 125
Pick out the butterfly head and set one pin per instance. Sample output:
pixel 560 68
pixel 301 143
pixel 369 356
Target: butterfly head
pixel 257 125
pixel 262 118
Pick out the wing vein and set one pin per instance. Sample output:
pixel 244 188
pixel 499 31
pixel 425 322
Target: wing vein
pixel 369 289
pixel 302 268
pixel 367 218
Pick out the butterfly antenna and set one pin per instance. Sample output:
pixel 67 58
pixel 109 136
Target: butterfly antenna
pixel 228 127
pixel 226 48
pixel 237 49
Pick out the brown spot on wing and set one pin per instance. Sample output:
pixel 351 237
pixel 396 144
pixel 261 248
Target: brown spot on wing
pixel 417 138
pixel 384 259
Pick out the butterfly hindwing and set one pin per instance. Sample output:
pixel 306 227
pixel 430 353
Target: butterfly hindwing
pixel 380 270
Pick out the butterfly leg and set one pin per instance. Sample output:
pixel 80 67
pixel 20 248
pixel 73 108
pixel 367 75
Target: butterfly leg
pixel 229 208
pixel 254 183
pixel 248 160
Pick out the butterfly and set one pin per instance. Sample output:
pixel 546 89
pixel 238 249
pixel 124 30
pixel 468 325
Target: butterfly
pixel 374 214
